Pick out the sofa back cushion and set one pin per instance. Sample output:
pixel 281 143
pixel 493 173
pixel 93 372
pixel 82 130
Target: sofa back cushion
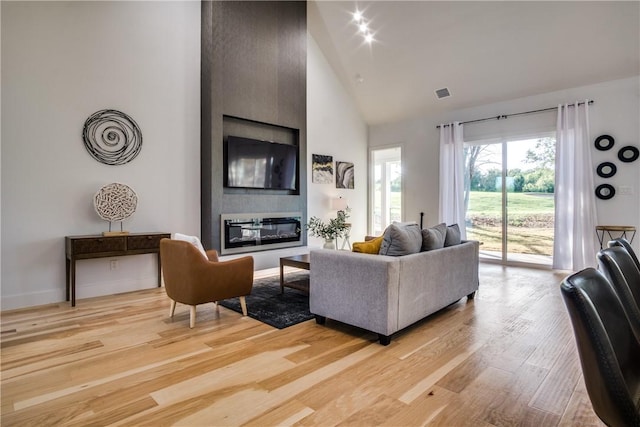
pixel 401 239
pixel 453 236
pixel 371 246
pixel 434 237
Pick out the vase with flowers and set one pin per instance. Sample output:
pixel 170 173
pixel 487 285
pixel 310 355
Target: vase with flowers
pixel 331 230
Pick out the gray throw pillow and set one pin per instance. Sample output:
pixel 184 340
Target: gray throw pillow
pixel 401 239
pixel 433 238
pixel 453 236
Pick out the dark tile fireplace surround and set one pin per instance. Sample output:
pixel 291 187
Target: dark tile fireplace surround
pixel 237 38
pixel 244 232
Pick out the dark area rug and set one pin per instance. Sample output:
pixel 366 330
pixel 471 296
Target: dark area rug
pixel 267 305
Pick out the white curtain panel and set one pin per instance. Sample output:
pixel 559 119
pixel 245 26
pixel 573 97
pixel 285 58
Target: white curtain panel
pixel 574 245
pixel 452 176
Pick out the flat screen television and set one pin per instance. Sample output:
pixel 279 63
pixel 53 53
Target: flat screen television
pixel 250 163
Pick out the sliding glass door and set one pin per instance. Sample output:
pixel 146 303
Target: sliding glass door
pixel 386 188
pixel 510 202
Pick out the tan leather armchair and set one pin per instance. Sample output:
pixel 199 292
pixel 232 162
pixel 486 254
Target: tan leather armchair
pixel 191 279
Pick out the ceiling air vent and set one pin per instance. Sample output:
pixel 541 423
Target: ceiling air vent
pixel 443 93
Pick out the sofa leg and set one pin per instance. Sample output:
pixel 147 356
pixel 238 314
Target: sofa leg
pixel 472 295
pixel 320 320
pixel 384 339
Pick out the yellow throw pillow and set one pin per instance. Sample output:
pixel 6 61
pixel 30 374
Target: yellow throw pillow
pixel 368 247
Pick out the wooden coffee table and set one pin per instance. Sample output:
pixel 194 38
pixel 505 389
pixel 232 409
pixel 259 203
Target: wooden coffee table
pixel 297 261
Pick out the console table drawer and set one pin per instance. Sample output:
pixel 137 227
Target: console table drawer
pixel 99 244
pixel 145 242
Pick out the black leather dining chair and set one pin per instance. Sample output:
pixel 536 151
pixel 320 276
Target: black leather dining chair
pixel 609 350
pixel 619 268
pixel 621 241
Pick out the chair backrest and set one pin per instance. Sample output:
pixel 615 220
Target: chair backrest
pixel 609 350
pixel 178 261
pixel 621 241
pixel 618 266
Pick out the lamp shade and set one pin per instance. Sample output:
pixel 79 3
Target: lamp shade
pixel 338 204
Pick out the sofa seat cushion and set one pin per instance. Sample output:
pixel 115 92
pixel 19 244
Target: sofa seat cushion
pixel 401 239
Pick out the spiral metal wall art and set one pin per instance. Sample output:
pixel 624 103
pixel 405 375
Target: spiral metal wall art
pixel 115 202
pixel 112 137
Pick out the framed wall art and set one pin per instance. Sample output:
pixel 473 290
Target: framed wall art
pixel 321 169
pixel 344 175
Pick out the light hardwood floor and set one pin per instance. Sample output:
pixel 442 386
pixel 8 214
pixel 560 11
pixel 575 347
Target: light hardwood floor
pixel 507 358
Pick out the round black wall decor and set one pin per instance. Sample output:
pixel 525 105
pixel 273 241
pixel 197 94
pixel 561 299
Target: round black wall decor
pixel 606 169
pixel 628 154
pixel 112 137
pixel 604 142
pixel 605 191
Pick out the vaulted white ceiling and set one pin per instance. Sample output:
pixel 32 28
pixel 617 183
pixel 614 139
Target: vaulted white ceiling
pixel 484 52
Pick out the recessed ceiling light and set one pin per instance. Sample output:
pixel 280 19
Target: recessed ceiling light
pixel 363 26
pixel 359 78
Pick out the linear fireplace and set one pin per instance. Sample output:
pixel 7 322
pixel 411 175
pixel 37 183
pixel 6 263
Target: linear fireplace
pixel 258 232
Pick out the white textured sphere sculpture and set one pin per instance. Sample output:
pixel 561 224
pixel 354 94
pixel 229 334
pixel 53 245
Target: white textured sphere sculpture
pixel 115 202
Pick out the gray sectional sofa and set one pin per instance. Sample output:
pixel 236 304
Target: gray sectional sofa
pixel 385 294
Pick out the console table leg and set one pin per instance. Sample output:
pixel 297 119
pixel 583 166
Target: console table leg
pixel 73 283
pixel 159 271
pixel 67 284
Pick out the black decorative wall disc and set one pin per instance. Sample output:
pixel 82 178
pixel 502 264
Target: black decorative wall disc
pixel 112 137
pixel 605 191
pixel 606 169
pixel 604 142
pixel 628 154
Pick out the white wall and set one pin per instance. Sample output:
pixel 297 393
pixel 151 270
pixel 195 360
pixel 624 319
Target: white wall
pixel 335 128
pixel 615 112
pixel 63 61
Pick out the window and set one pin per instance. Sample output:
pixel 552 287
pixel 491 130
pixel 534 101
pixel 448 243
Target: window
pixel 510 198
pixel 386 188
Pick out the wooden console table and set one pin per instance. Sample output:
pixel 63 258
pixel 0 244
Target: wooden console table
pixel 622 229
pixel 98 246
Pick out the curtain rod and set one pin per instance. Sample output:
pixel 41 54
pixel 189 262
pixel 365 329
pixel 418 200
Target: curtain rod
pixel 504 116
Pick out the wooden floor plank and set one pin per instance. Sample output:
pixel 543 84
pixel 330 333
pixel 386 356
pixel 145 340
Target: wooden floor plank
pixel 505 358
pixel 286 414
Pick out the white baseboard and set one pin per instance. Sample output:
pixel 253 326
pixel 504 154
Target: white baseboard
pixel 115 287
pixel 91 270
pixel 55 296
pixel 31 299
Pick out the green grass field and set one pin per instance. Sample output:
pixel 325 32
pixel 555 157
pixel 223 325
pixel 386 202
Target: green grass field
pixel 530 222
pixel 486 203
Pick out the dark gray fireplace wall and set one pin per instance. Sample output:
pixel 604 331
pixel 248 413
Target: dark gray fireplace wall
pixel 253 82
